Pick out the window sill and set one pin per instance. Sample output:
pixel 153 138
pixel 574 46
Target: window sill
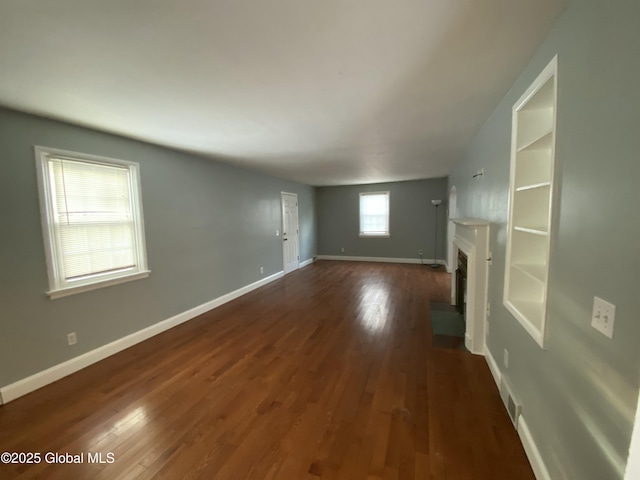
pixel 375 235
pixel 65 292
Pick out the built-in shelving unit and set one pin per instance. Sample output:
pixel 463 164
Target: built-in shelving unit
pixel 531 195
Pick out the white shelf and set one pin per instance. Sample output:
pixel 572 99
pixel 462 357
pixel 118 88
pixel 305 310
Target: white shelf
pixel 531 208
pixel 532 311
pixel 531 316
pixel 470 222
pixel 531 187
pixel 528 248
pixel 542 142
pixel 530 195
pixel 534 167
pixel 535 271
pixel 534 126
pixel 538 230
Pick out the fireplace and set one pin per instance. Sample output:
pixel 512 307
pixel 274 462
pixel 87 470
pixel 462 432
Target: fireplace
pixel 470 279
pixel 461 283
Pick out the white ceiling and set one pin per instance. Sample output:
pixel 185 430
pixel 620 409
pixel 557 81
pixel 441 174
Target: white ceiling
pixel 325 92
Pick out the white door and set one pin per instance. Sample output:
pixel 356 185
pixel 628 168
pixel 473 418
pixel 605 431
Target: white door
pixel 290 244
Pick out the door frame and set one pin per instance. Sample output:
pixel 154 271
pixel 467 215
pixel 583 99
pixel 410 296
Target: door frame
pixel 282 230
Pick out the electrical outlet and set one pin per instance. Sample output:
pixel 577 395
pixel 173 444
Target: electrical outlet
pixel 71 338
pixel 603 316
pixel 261 269
pixel 277 233
pixel 506 358
pixel 420 252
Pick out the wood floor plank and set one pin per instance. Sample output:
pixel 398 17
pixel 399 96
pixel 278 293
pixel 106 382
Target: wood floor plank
pixel 328 373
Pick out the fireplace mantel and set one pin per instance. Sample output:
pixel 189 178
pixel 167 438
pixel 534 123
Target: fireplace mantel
pixel 471 222
pixel 472 238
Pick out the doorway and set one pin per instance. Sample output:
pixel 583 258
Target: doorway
pixel 290 234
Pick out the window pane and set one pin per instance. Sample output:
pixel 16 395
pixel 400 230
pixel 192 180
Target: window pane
pixel 96 248
pixel 374 213
pixel 93 217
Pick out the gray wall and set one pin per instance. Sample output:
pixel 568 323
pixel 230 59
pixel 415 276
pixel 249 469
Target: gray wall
pixel 411 220
pixel 209 228
pixel 579 394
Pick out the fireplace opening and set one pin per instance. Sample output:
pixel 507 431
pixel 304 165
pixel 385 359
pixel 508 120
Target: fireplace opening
pixel 461 284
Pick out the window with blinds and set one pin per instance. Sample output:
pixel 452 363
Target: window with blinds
pixel 374 214
pixel 92 218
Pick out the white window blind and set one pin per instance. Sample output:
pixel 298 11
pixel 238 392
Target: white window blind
pixel 374 214
pixel 93 217
pixel 93 220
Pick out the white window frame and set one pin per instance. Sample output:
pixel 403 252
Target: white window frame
pixel 58 285
pixel 375 235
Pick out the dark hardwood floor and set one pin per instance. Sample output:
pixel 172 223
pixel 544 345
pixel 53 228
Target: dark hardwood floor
pixel 328 373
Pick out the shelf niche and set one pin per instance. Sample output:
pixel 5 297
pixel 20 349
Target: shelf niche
pixel 530 202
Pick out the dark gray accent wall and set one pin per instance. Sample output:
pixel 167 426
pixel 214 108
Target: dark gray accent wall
pixel 209 228
pixel 579 394
pixel 411 218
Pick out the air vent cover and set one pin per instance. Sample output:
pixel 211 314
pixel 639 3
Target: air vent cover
pixel 510 402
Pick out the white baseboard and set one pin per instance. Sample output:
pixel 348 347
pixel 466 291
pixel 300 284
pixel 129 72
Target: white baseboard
pixel 27 385
pixel 531 449
pixel 306 262
pixel 493 366
pixel 425 261
pixel 468 343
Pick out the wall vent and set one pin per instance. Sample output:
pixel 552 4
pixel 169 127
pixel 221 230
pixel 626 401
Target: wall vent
pixel 510 402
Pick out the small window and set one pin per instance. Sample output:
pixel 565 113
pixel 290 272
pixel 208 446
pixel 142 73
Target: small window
pixel 374 214
pixel 92 221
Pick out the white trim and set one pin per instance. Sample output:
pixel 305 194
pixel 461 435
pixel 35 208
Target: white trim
pixel 59 286
pixel 536 328
pixel 493 366
pixel 27 385
pixel 307 262
pixel 452 210
pixel 472 237
pixel 426 261
pixel 531 449
pixel 284 259
pixel 65 292
pixel 632 471
pixel 549 71
pixel 468 343
pixel 386 234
